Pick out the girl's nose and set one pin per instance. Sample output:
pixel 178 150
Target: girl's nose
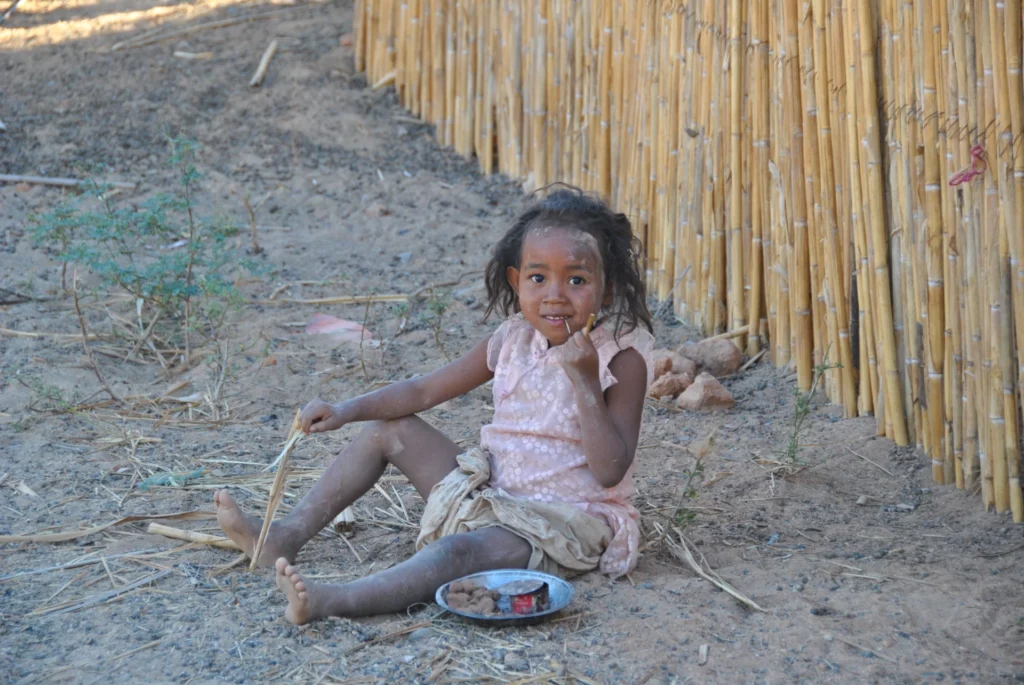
pixel 554 291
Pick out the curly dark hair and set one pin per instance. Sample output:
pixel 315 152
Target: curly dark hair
pixel 620 250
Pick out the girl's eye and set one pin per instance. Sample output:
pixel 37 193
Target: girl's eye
pixel 537 278
pixel 576 280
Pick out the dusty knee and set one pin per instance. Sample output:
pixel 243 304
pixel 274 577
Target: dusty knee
pixel 389 435
pixel 486 548
pixel 457 548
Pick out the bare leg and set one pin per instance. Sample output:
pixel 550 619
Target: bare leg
pixel 418 450
pixel 413 581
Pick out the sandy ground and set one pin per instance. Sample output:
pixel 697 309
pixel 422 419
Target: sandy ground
pixel 914 584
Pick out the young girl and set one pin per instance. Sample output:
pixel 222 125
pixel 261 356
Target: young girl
pixel 550 484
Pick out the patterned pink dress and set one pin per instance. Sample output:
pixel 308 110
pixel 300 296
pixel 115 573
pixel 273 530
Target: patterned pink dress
pixel 534 441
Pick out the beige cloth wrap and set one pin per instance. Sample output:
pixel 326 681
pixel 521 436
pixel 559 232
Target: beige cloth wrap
pixel 566 540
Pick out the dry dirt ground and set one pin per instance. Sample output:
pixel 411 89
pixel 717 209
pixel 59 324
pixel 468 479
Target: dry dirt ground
pixel 914 584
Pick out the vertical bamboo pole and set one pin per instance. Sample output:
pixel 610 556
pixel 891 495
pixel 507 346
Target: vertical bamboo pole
pixel 1010 234
pixel 449 25
pixel 865 287
pixel 401 35
pixel 782 238
pixel 359 29
pixel 835 292
pixel 819 319
pixel 685 135
pixel 737 313
pixel 439 60
pixel 963 32
pixel 994 471
pixel 696 279
pixel 670 83
pixel 894 412
pixel 957 314
pixel 759 167
pixel 604 143
pixel 1013 31
pixel 800 269
pixel 935 353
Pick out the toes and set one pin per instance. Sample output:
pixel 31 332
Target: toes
pixel 300 587
pixel 281 566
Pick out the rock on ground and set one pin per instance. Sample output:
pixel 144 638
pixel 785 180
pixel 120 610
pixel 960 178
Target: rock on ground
pixel 716 357
pixel 670 385
pixel 706 393
pixel 670 361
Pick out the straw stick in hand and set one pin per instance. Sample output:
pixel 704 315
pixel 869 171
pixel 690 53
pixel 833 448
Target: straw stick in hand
pixel 277 489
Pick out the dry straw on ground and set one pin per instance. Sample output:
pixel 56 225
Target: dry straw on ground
pixel 843 176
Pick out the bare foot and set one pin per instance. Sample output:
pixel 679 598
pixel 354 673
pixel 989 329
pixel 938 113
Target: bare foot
pixel 306 601
pixel 244 530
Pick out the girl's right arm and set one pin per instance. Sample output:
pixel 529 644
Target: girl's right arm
pixel 403 398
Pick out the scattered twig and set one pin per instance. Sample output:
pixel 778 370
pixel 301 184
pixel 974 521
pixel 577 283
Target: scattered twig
pixel 106 596
pixel 385 80
pixel 752 360
pixel 150 37
pixel 276 490
pixel 382 638
pixel 858 454
pixel 350 299
pixel 191 536
pixel 864 649
pixel 192 55
pixel 261 73
pixel 252 226
pixel 130 652
pixel 362 336
pixel 729 335
pixel 681 551
pixel 74 535
pixel 72 564
pixel 3 18
pixel 993 555
pixel 145 335
pixel 20 297
pixel 64 182
pixel 85 343
pixel 58 336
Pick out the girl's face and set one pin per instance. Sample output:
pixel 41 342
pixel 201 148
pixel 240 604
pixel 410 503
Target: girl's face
pixel 560 280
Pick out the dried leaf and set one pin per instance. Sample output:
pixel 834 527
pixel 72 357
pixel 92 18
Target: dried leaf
pixel 72 535
pixel 341 330
pixel 26 490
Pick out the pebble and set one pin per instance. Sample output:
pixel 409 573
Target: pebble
pixel 420 633
pixel 516 662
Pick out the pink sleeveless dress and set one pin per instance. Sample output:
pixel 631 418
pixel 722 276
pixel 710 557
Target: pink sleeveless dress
pixel 530 474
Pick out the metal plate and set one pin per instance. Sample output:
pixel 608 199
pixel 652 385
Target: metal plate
pixel 559 591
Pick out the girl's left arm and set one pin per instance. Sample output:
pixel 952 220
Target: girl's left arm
pixel 609 421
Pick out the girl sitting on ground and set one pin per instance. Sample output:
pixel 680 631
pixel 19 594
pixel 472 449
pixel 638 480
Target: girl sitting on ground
pixel 550 485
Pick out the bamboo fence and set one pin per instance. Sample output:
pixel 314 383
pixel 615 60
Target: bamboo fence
pixel 840 181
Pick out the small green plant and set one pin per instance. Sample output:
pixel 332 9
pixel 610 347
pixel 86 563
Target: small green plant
pixel 438 305
pixel 802 409
pixel 159 251
pixel 46 397
pixel 684 516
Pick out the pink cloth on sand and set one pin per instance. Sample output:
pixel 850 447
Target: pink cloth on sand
pixel 534 440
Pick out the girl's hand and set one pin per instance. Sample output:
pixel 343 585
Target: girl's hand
pixel 319 417
pixel 579 359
